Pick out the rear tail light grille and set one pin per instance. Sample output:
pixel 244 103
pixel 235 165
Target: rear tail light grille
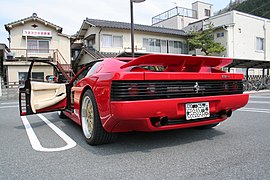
pixel 146 90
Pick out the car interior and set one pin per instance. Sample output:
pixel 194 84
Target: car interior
pixel 46 94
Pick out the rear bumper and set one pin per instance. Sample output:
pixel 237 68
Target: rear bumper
pixel 136 115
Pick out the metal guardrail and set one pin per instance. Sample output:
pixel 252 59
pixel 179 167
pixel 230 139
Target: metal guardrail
pixel 27 54
pixel 5 85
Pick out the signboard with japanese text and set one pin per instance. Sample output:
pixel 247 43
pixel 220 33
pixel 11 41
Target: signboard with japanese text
pixel 37 33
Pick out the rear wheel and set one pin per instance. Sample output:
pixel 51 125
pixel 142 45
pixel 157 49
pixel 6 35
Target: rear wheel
pixel 209 126
pixel 92 128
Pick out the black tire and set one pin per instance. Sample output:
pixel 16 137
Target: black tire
pixel 61 115
pixel 209 126
pixel 92 128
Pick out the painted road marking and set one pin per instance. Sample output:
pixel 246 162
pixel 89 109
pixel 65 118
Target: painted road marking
pixel 260 97
pixel 9 103
pixel 5 107
pixel 36 143
pixel 259 102
pixel 255 110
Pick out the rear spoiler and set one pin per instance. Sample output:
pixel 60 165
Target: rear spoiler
pixel 179 62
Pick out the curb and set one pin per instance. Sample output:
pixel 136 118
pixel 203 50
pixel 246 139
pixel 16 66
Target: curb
pixel 255 92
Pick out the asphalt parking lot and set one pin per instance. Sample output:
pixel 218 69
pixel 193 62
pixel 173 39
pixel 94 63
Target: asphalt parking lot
pixel 52 148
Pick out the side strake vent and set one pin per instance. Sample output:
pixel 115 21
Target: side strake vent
pixel 146 90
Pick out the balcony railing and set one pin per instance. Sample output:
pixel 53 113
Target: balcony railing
pixel 28 54
pixel 180 11
pixel 52 55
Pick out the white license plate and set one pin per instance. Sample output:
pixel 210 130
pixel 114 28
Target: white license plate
pixel 197 110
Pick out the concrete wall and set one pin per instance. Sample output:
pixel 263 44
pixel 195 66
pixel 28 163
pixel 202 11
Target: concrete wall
pixel 240 31
pixel 172 22
pixel 246 29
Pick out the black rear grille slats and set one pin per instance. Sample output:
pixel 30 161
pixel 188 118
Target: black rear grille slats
pixel 147 90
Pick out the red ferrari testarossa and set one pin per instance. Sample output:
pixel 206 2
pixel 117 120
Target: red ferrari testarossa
pixel 153 92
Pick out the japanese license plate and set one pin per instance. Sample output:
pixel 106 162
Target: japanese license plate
pixel 197 110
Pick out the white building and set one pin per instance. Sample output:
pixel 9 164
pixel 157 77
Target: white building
pixel 33 38
pixel 103 38
pixel 245 37
pixel 180 17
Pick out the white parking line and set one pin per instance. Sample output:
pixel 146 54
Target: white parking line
pixel 259 102
pixel 35 142
pixel 255 110
pixel 6 107
pixel 9 103
pixel 260 97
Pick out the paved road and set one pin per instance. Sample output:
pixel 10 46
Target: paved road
pixel 237 149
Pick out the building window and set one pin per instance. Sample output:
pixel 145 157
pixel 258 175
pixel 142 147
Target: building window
pixel 37 46
pixel 259 44
pixel 175 47
pixel 207 12
pixel 118 41
pixel 163 46
pixel 155 45
pixel 22 77
pixel 220 34
pixel 110 41
pixel 38 76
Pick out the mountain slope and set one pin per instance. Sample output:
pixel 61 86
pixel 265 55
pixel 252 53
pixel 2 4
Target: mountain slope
pixel 255 7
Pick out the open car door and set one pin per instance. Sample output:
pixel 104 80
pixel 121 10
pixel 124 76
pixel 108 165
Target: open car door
pixel 45 89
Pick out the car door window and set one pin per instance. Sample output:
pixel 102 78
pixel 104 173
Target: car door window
pixel 87 72
pixel 93 69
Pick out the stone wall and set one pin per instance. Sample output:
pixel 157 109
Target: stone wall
pixel 10 94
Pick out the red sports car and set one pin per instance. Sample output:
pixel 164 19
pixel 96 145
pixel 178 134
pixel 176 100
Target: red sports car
pixel 153 92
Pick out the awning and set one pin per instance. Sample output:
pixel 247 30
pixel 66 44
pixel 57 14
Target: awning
pixel 239 63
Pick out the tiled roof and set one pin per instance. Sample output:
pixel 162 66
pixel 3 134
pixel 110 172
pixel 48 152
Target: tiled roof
pixel 33 17
pixel 138 27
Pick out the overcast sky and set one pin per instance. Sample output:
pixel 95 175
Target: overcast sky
pixel 69 14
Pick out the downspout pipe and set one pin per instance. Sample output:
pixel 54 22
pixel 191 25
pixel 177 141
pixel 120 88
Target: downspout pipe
pixel 99 42
pixel 265 45
pixel 265 40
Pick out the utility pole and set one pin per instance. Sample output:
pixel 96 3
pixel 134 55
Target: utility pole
pixel 132 24
pixel 0 85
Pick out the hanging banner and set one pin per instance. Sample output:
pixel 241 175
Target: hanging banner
pixel 37 33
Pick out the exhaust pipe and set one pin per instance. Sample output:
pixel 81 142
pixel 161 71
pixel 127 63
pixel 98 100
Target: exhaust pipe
pixel 162 121
pixel 229 113
pixel 225 113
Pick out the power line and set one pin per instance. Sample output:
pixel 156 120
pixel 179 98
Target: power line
pixel 266 12
pixel 259 7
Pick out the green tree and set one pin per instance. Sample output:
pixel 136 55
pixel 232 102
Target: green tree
pixel 204 40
